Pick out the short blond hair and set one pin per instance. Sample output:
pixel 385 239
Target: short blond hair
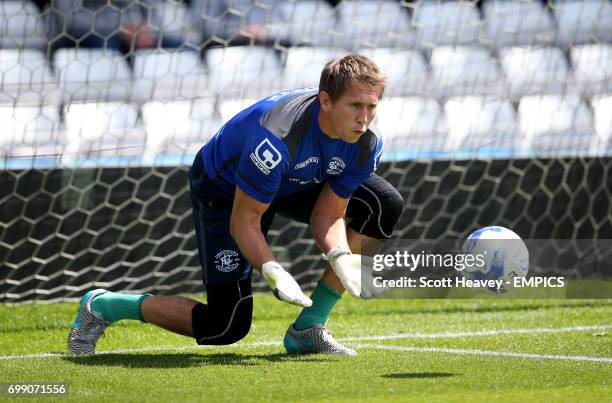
pixel 339 72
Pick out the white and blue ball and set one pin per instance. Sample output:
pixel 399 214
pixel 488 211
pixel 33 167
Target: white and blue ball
pixel 504 253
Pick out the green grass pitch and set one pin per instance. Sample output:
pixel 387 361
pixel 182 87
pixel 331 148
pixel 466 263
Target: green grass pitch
pixel 409 350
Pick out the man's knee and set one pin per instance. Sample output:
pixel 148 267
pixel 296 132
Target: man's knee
pixel 377 207
pixel 226 318
pixel 219 327
pixel 393 207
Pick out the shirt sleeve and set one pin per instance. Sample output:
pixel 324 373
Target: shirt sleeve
pixel 263 162
pixel 345 184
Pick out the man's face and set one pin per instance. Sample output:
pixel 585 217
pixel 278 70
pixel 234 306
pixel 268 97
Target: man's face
pixel 351 114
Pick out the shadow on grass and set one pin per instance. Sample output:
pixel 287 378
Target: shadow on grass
pixel 185 360
pixel 419 375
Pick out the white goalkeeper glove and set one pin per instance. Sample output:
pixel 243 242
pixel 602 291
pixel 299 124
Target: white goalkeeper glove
pixel 283 285
pixel 355 272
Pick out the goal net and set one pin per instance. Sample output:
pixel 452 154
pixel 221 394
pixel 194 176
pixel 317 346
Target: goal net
pixel 497 113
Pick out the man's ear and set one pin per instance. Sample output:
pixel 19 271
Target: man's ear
pixel 325 101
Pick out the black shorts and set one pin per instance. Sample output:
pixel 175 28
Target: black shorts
pixel 373 210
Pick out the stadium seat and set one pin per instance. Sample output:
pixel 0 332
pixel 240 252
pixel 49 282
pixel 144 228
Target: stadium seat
pixel 374 23
pixel 103 129
pixel 178 127
pixel 593 68
pixel 163 75
pixel 517 23
pixel 411 126
pixel 311 23
pixel 304 64
pixel 244 70
pixel 583 21
pixel 26 78
pixel 30 131
pixel 462 71
pixel 481 127
pixel 223 21
pixel 532 71
pixel 603 123
pixel 556 126
pixel 446 23
pixel 93 75
pixel 406 70
pixel 228 108
pixel 170 17
pixel 21 25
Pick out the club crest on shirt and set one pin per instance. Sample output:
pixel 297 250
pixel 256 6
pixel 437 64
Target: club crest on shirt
pixel 336 166
pixel 227 260
pixel 266 156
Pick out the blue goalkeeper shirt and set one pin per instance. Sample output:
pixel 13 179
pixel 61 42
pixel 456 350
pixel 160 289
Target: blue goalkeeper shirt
pixel 275 148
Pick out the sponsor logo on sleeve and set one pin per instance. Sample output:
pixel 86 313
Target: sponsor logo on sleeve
pixel 336 166
pixel 266 156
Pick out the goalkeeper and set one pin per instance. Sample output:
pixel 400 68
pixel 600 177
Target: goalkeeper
pixel 305 154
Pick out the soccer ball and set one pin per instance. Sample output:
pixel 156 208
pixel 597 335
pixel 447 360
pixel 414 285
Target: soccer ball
pixel 504 253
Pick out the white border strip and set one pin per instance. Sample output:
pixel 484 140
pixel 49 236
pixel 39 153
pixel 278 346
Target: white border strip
pixel 349 339
pixel 484 353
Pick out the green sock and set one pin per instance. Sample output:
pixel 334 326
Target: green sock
pixel 114 306
pixel 323 300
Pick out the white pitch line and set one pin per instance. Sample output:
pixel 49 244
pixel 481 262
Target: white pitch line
pixel 349 339
pixel 484 352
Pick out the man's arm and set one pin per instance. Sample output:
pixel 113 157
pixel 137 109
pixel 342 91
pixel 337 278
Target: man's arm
pixel 352 271
pixel 327 220
pixel 245 228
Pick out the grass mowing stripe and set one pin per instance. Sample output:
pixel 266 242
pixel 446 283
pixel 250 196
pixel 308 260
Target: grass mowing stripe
pixel 363 338
pixel 484 352
pixel 450 335
pixel 140 350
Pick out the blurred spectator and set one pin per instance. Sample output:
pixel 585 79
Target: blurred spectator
pixel 41 4
pixel 333 3
pixel 115 24
pixel 238 22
